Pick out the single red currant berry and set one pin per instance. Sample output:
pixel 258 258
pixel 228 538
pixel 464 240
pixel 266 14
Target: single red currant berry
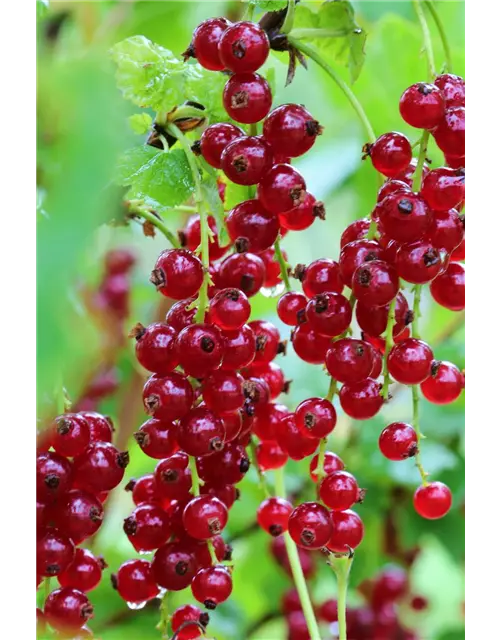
pixel 291 130
pixel 453 89
pixel 251 227
pixel 422 106
pixel 450 133
pixel 184 615
pixel 270 455
pixel 390 153
pixel 356 253
pixel 444 188
pixel 447 230
pixel 418 262
pixel 244 271
pixel 228 466
pixel 214 140
pixel 432 501
pixel 361 400
pixel 373 320
pixel 281 189
pixel 240 348
pixel 398 441
pixel 247 97
pixel 200 348
pixel 309 345
pixel 315 417
pixel 181 314
pixel 329 314
pixel 264 424
pixel 410 361
pixel 390 585
pixel 205 44
pixel 157 438
pixel 310 525
pixel 200 432
pixel 357 230
pixel 267 341
pixel 245 160
pixel 178 274
pixel 290 602
pixel 390 186
pixel 70 434
pixel 303 215
pixel 119 260
pixel 212 586
pixel 445 383
pixel 349 360
pixel 448 289
pixel 100 467
pixel 174 566
pixel 147 527
pixel 328 611
pixel 204 517
pixel 458 254
pixel 144 490
pixel 257 396
pixel 375 283
pixel 135 581
pixel 53 476
pixel 167 397
pixel 227 493
pixel 67 609
pixel 79 515
pixel 273 514
pixel 331 463
pixel 273 376
pixel 223 392
pixel 173 477
pixel 339 490
pixel 291 307
pixel 101 427
pixel 321 276
pixel 347 533
pixel 54 553
pixel 229 309
pixel 244 47
pixel 404 216
pixel 155 347
pixel 190 236
pixel 84 573
pixel 292 441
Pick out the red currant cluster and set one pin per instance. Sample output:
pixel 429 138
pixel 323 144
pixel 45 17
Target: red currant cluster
pixel 113 294
pixel 76 467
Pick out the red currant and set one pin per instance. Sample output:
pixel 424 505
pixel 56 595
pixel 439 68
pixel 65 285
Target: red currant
pixel 310 525
pixel 373 320
pixel 251 227
pixel 228 466
pixel 100 467
pixel 398 441
pixel 453 89
pixel 244 271
pixel 178 274
pixel 375 283
pixel 291 307
pixel 212 585
pixel 331 463
pixel 155 347
pixel 432 501
pixel 79 515
pixel 247 97
pixel 309 345
pixel 84 573
pixel 350 360
pixel 418 262
pixel 361 400
pixel 297 445
pixel 135 581
pixel 200 432
pixel 240 348
pixel 147 527
pixel 168 397
pixel 273 514
pixel 223 392
pixel 339 490
pixel 54 553
pixel 245 160
pixel 70 434
pixel 174 566
pixel 200 348
pixel 448 289
pixel 281 189
pixel 445 383
pixel 244 47
pixel 329 314
pixel 173 477
pixel 450 134
pixel 357 230
pixel 347 532
pixel 184 615
pixel 291 130
pixel 315 417
pixel 53 476
pixel 214 140
pixel 270 455
pixel 205 43
pixel 204 517
pixel 356 253
pixel 390 153
pixel 422 106
pixel 265 423
pixel 444 188
pixel 404 216
pixel 67 609
pixel 157 438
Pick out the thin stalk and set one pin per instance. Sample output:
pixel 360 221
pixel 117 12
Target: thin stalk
pixel 308 34
pixel 46 588
pixel 261 476
pixel 416 311
pixel 332 389
pixel 163 626
pixel 427 39
pixel 283 264
pixel 195 478
pixel 138 208
pixel 391 318
pixel 249 12
pixel 342 566
pixel 320 470
pixel 417 176
pixel 416 426
pixel 442 33
pixel 211 550
pixel 372 230
pixel 289 18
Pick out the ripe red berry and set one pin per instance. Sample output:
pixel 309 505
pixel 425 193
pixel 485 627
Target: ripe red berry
pixel 445 383
pixel 84 573
pixel 410 361
pixel 200 348
pixel 267 341
pixel 173 477
pixel 205 44
pixel 453 89
pixel 174 566
pixel 147 527
pixel 119 260
pixel 245 160
pixel 310 525
pixel 444 188
pixel 291 307
pixel 356 253
pixel 390 585
pixel 185 614
pixel 157 438
pixel 404 216
pixel 390 153
pixel 190 236
pixel 447 230
pixel 79 515
pixel 347 532
pixel 407 175
pixel 331 463
pixel 228 466
pixel 281 189
pixel 53 476
pixel 212 586
pixel 422 106
pixel 67 609
pixel 448 289
pixel 54 553
pixel 373 320
pixel 315 417
pixel 290 602
pixel 101 427
pixel 155 347
pixel 247 97
pixel 450 133
pixel 390 186
pixel 244 47
pixel 227 493
pixel 272 375
pixel 357 230
pixel 223 392
pixel 418 262
pixel 321 276
pixel 458 254
pixel 270 455
pixel 273 514
pixel 292 441
pixel 309 345
pixel 303 215
pixel 204 517
pixel 264 424
pixel 167 397
pixel 100 467
pixel 398 441
pixel 214 140
pixel 251 227
pixel 178 274
pixel 339 490
pixel 349 360
pixel 135 581
pixel 144 490
pixel 240 348
pixel 291 130
pixel 375 283
pixel 329 314
pixel 432 501
pixel 361 400
pixel 244 271
pixel 200 432
pixel 70 434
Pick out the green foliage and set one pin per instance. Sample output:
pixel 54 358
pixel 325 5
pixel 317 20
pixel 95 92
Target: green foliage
pixel 140 122
pixel 269 5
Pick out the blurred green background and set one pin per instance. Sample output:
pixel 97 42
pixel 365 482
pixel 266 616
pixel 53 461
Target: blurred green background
pixel 82 129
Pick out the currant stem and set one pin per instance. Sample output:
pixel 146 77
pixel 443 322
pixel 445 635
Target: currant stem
pixel 138 208
pixel 298 576
pixel 320 471
pixel 260 474
pixel 195 478
pixel 290 15
pixel 332 389
pixel 389 342
pixel 427 39
pixel 416 311
pixel 442 33
pixel 341 566
pixel 416 426
pixel 283 264
pixel 417 176
pixel 211 550
pixel 46 588
pixel 163 626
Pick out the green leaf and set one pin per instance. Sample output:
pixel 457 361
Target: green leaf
pixel 132 162
pixel 42 7
pixel 211 195
pixel 206 87
pixel 271 79
pixel 234 194
pixel 269 5
pixel 140 123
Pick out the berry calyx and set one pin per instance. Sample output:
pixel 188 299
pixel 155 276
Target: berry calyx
pixel 245 160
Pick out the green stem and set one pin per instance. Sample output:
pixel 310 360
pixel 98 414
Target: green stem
pixel 163 626
pixel 442 33
pixel 211 550
pixel 249 12
pixel 372 230
pixel 416 426
pixel 195 478
pixel 320 470
pixel 415 333
pixel 308 34
pixel 138 208
pixel 298 576
pixel 260 474
pixel 342 566
pixel 417 176
pixel 283 264
pixel 290 15
pixel 427 39
pixel 332 389
pixel 391 318
pixel 46 588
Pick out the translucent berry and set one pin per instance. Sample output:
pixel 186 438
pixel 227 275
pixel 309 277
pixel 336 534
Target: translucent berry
pixel 135 581
pixel 174 566
pixel 245 160
pixel 53 476
pixel 349 360
pixel 67 609
pixel 422 106
pixel 157 438
pixel 244 47
pixel 204 517
pixel 447 230
pixel 184 615
pixel 167 397
pixel 147 527
pixel 173 477
pixel 445 383
pixel 281 189
pixel 339 490
pixel 177 274
pixel 444 188
pixel 347 532
pixel 84 573
pixel 270 455
pixel 228 466
pixel 223 392
pixel 418 262
pixel 273 514
pixel 297 445
pixel 291 307
pixel 453 89
pixel 310 525
pixel 200 432
pixel 54 553
pixel 309 345
pixel 100 467
pixel 70 434
pixel 375 283
pixel 448 289
pixel 240 348
pixel 264 424
pixel 321 276
pixel 247 97
pixel 251 227
pixel 390 153
pixel 214 140
pixel 205 44
pixel 200 348
pixel 244 271
pixel 450 133
pixel 404 216
pixel 315 417
pixel 361 400
pixel 331 463
pixel 357 230
pixel 329 314
pixel 212 586
pixel 356 253
pixel 373 320
pixel 155 347
pixel 79 515
pixel 291 130
pixel 433 500
pixel 303 215
pixel 398 441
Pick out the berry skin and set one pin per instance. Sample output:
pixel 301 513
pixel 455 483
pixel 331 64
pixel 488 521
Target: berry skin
pixel 270 456
pixel 214 140
pixel 445 383
pixel 331 463
pixel 273 270
pixel 53 476
pixel 390 186
pixel 167 397
pixel 189 613
pixel 453 89
pixel 100 467
pixel 200 432
pixel 147 527
pixel 228 466
pixel 79 515
pixel 458 254
pixel 339 490
pixel 101 427
pixel 357 230
pixel 178 274
pixel 54 553
pixel 251 227
pixel 240 348
pixel 67 609
pixel 432 501
pixel 410 361
pixel 350 360
pixel 190 236
pixel 244 271
pixel 227 494
pixel 204 517
pixel 200 348
pixel 119 260
pixel 212 586
pixel 292 441
pixel 155 347
pixel 245 160
pixel 329 314
pixel 264 424
pixel 422 106
pixel 309 345
pixel 70 434
pixel 135 581
pixel 291 130
pixel 361 400
pixel 450 134
pixel 404 216
pixel 356 253
pixel 291 307
pixel 398 441
pixel 315 417
pixel 390 585
pixel 281 189
pixel 205 43
pixel 273 515
pixel 321 276
pixel 444 188
pixel 375 283
pixel 390 153
pixel 418 262
pixel 373 320
pixel 303 215
pixel 174 566
pixel 84 573
pixel 447 230
pixel 173 477
pixel 247 97
pixel 181 314
pixel 244 47
pixel 448 289
pixel 144 490
pixel 408 174
pixel 348 531
pixel 272 375
pixel 310 525
pixel 157 438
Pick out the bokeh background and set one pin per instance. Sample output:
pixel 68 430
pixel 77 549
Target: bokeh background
pixel 82 130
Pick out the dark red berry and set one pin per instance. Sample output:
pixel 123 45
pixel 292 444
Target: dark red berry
pixel 349 360
pixel 167 397
pixel 450 133
pixel 227 493
pixel 147 527
pixel 398 441
pixel 204 517
pixel 157 438
pixel 119 260
pixel 331 463
pixel 79 515
pixel 390 186
pixel 419 603
pixel 200 348
pixel 174 566
pixel 329 314
pixel 101 427
pixel 178 274
pixel 290 602
pixel 67 609
pixel 100 467
pixel 205 44
pixel 251 227
pixel 432 501
pixel 375 283
pixel 223 392
pixel 309 345
pixel 357 230
pixel 347 532
pixel 444 188
pixel 321 276
pixel 373 320
pixel 214 140
pixel 310 525
pixel 315 417
pixel 297 445
pixel 404 216
pixel 361 400
pixel 448 289
pixel 244 47
pixel 453 89
pixel 273 514
pixel 264 424
pixel 244 271
pixel 54 553
pixel 418 262
pixel 291 130
pixel 70 434
pixel 356 253
pixel 212 586
pixel 281 189
pixel 458 254
pixel 84 573
pixel 200 432
pixel 228 466
pixel 144 490
pixel 240 348
pixel 229 309
pixel 445 383
pixel 447 230
pixel 245 160
pixel 328 611
pixel 155 347
pixel 173 477
pixel 181 314
pixel 267 341
pixel 339 490
pixel 184 615
pixel 291 307
pixel 273 376
pixel 422 106
pixel 270 455
pixel 390 585
pixel 408 174
pixel 135 581
pixel 303 215
pixel 53 476
pixel 247 97
pixel 390 153
pixel 190 236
